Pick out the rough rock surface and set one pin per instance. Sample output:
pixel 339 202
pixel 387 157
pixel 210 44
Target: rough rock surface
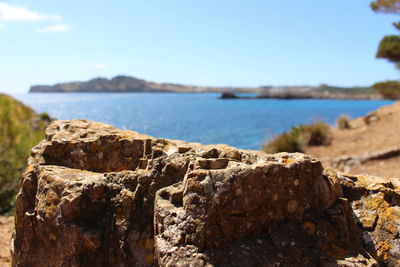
pixel 93 195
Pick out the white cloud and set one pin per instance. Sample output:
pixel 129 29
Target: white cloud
pixel 11 13
pixel 99 66
pixel 54 28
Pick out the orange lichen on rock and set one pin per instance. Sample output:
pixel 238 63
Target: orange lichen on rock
pixel 288 160
pixel 309 227
pixel 382 250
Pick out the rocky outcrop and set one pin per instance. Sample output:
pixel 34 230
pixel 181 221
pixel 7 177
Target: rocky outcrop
pixel 93 195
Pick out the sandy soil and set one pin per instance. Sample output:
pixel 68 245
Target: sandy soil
pixel 6 226
pixel 381 133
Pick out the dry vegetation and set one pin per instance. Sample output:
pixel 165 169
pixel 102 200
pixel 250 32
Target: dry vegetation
pixel 374 134
pixel 367 145
pixel 343 122
pixel 299 138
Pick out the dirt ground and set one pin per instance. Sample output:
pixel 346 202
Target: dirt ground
pixel 6 226
pixel 377 132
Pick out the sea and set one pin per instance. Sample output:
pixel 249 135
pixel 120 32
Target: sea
pixel 197 117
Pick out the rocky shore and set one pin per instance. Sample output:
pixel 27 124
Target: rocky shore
pixel 94 195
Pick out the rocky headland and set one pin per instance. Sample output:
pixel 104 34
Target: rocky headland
pixel 94 195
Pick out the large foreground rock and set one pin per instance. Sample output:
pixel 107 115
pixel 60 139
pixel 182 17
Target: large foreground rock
pixel 93 195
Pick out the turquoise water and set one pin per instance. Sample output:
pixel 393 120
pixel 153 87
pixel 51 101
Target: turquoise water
pixel 197 117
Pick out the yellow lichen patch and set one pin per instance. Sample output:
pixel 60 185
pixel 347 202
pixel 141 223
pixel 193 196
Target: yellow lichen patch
pixel 49 206
pixel 309 227
pixel 378 203
pixel 383 247
pixel 335 251
pixel 288 160
pixel 388 220
pixel 30 168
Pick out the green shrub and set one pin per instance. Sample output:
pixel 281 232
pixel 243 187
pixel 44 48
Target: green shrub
pixel 300 137
pixel 343 122
pixel 45 117
pixel 286 142
pixel 20 129
pixel 388 89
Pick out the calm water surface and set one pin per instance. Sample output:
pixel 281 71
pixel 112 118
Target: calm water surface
pixel 197 117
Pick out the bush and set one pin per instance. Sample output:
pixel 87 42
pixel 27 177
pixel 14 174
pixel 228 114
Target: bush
pixel 286 142
pixel 343 122
pixel 388 89
pixel 45 117
pixel 300 137
pixel 17 137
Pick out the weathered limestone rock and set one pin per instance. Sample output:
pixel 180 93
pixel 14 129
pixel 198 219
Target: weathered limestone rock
pixel 94 195
pixel 376 204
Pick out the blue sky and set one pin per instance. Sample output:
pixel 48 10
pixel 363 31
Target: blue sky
pixel 207 42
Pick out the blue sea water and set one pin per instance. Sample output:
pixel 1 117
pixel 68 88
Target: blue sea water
pixel 197 117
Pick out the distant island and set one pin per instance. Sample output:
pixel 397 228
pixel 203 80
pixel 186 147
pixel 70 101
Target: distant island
pixel 121 84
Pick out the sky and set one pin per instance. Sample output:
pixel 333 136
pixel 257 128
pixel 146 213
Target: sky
pixel 207 42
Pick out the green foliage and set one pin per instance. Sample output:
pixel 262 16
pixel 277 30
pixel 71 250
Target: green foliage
pixel 20 130
pixel 389 48
pixel 45 117
pixel 386 6
pixel 300 137
pixel 343 122
pixel 396 25
pixel 388 89
pixel 286 142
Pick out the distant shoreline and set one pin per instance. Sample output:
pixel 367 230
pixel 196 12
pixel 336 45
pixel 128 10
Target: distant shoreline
pixel 308 95
pixel 237 96
pixel 129 84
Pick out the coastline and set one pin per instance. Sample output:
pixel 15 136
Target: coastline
pixel 308 95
